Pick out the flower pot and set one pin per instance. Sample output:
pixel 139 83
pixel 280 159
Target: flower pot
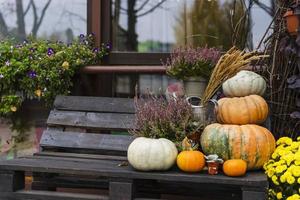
pixel 292 22
pixel 195 86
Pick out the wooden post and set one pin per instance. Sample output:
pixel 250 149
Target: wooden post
pixel 121 189
pixel 11 181
pixel 251 193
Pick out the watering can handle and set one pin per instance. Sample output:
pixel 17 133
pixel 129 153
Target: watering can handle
pixel 215 102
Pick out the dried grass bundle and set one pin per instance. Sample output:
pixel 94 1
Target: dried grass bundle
pixel 233 61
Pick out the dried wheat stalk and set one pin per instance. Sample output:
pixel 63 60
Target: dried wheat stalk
pixel 233 61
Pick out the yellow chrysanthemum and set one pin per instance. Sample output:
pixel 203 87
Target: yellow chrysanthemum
pixel 279 195
pixel 283 178
pixel 275 180
pixel 290 180
pixel 270 172
pixel 296 171
pixel 294 197
pixel 298 180
pixel 284 140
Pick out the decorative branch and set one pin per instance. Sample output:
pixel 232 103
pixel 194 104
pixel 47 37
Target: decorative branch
pixel 151 9
pixel 142 6
pixel 27 9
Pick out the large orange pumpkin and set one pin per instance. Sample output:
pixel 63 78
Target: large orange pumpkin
pixel 251 109
pixel 252 143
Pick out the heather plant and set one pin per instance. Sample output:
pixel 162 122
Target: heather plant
pixel 158 118
pixel 186 62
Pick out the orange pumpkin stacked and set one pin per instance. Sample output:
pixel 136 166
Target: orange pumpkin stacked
pixel 238 136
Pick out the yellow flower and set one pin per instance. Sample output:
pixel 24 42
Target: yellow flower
pixel 297 162
pixel 294 197
pixel 271 172
pixel 283 178
pixel 275 180
pixel 296 171
pixel 275 155
pixel 279 195
pixel 290 180
pixel 284 140
pixel 65 65
pixel 38 92
pixel 13 108
pixel 298 180
pixel 280 169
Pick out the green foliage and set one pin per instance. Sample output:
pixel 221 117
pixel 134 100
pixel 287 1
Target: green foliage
pixel 41 69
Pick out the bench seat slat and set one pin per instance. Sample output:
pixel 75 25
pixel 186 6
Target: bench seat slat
pixel 111 169
pixel 94 104
pixel 101 121
pixel 86 142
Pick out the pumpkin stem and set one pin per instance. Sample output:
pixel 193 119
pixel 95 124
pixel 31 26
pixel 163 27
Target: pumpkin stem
pixel 187 145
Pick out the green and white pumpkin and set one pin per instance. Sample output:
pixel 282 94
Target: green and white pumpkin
pixel 244 83
pixel 251 143
pixel 148 154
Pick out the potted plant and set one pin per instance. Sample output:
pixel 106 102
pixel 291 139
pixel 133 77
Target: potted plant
pixel 193 66
pixel 158 118
pixel 292 19
pixel 41 69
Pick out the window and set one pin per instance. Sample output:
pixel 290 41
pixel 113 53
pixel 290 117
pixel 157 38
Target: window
pixel 56 20
pixel 143 32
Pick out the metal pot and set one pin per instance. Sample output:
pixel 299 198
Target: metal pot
pixel 205 114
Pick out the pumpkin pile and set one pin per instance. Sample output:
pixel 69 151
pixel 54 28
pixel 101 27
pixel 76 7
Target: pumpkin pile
pixel 240 114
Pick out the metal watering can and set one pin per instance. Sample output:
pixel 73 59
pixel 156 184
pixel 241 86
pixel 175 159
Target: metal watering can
pixel 204 114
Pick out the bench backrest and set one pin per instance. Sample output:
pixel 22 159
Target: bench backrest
pixel 81 125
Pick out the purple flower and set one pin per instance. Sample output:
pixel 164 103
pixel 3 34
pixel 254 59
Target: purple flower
pixel 50 52
pixel 31 74
pixel 108 46
pixel 25 41
pixel 81 36
pixel 7 63
pixel 32 49
pixel 1 76
pixel 18 46
pixel 91 34
pixel 30 57
pixel 96 50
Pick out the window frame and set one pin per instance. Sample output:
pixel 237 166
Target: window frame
pixel 99 23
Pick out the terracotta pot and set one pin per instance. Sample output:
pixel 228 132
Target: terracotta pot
pixel 292 22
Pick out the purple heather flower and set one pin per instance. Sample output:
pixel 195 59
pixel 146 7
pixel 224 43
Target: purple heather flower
pixel 32 74
pixel 7 63
pixel 50 52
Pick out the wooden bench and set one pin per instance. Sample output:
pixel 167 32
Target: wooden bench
pixel 83 147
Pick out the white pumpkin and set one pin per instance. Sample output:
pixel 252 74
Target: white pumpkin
pixel 148 154
pixel 243 84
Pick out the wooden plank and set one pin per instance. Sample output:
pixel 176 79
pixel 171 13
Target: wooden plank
pixel 259 193
pixel 94 104
pixel 102 121
pixel 86 142
pixel 81 155
pixel 121 190
pixel 49 195
pixel 112 169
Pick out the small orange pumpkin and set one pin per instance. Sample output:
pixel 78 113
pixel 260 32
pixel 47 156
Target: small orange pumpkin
pixel 251 109
pixel 190 160
pixel 235 167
